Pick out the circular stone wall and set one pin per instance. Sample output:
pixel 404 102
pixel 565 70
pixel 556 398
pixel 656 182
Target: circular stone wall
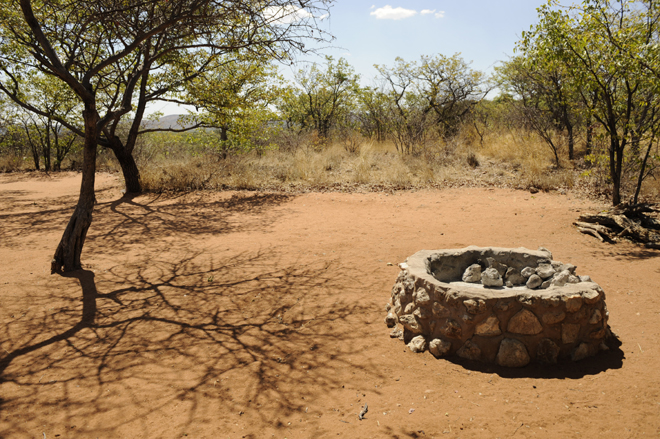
pixel 450 302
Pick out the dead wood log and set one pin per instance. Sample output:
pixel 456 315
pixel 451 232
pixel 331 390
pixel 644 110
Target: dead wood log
pixel 629 221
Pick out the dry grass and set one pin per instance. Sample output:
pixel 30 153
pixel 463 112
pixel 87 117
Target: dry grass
pixel 513 159
pixel 504 161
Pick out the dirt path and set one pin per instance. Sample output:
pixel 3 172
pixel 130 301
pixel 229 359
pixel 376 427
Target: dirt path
pixel 231 315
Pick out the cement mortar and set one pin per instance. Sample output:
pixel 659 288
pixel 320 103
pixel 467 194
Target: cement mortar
pixel 510 326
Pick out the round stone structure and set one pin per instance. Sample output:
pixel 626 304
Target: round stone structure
pixel 497 305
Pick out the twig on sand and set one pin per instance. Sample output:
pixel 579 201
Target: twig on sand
pixel 514 431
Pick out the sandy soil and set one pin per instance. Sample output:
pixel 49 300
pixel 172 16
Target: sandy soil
pixel 251 315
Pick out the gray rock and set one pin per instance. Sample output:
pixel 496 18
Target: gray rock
pixel 489 327
pixel 534 281
pixel 439 347
pixel 514 277
pixel 469 351
pixel 547 351
pixel 527 272
pixel 491 278
pixel 545 271
pixel 391 320
pixel 472 274
pixel 561 278
pixel 572 279
pixel 417 344
pixel 570 267
pixel 512 353
pixel 545 250
pixel 585 278
pixel 546 284
pixel 524 322
pixel 501 268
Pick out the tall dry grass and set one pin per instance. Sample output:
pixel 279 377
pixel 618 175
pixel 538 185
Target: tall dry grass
pixel 503 160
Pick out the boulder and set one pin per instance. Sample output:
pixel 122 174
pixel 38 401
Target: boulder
pixel 534 281
pixel 514 277
pixel 491 278
pixel 545 271
pixel 525 323
pixel 560 278
pixel 472 274
pixel 417 344
pixel 527 272
pixel 439 347
pixel 469 351
pixel 391 320
pixel 489 327
pixel 512 353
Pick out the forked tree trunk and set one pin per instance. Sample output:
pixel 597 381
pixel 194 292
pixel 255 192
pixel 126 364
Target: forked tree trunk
pixel 67 255
pixel 128 168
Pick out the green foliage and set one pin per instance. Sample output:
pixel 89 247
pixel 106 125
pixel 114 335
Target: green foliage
pixel 438 93
pixel 607 51
pixel 321 99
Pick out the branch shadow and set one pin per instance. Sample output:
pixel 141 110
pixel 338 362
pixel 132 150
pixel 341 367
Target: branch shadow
pixel 243 335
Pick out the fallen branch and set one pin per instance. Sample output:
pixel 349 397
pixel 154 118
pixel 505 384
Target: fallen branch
pixel 623 221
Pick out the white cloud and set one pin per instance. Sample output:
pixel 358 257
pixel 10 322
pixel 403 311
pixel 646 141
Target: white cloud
pixel 440 14
pixel 285 14
pixel 427 11
pixel 389 13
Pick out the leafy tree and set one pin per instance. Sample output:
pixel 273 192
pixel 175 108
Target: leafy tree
pixel 548 99
pixel 47 138
pixel 321 99
pixel 105 51
pixel 450 88
pixel 621 95
pixel 408 115
pixel 235 96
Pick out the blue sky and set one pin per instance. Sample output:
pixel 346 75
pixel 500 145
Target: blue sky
pixel 483 31
pixel 372 32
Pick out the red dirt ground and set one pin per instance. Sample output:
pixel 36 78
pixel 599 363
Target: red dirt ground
pixel 259 315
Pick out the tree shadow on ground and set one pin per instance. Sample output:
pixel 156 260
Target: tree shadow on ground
pixel 209 336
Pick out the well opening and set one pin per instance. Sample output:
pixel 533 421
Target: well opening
pixel 507 306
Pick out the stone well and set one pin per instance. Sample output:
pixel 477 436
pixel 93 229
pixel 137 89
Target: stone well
pixel 497 305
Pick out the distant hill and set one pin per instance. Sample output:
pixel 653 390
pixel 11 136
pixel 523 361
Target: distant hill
pixel 165 122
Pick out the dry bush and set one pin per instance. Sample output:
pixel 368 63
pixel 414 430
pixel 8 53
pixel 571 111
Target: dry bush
pixel 12 163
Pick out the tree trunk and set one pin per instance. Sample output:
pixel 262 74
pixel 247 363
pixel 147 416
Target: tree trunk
pixel 128 168
pixel 571 141
pixel 590 134
pixel 67 255
pixel 616 159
